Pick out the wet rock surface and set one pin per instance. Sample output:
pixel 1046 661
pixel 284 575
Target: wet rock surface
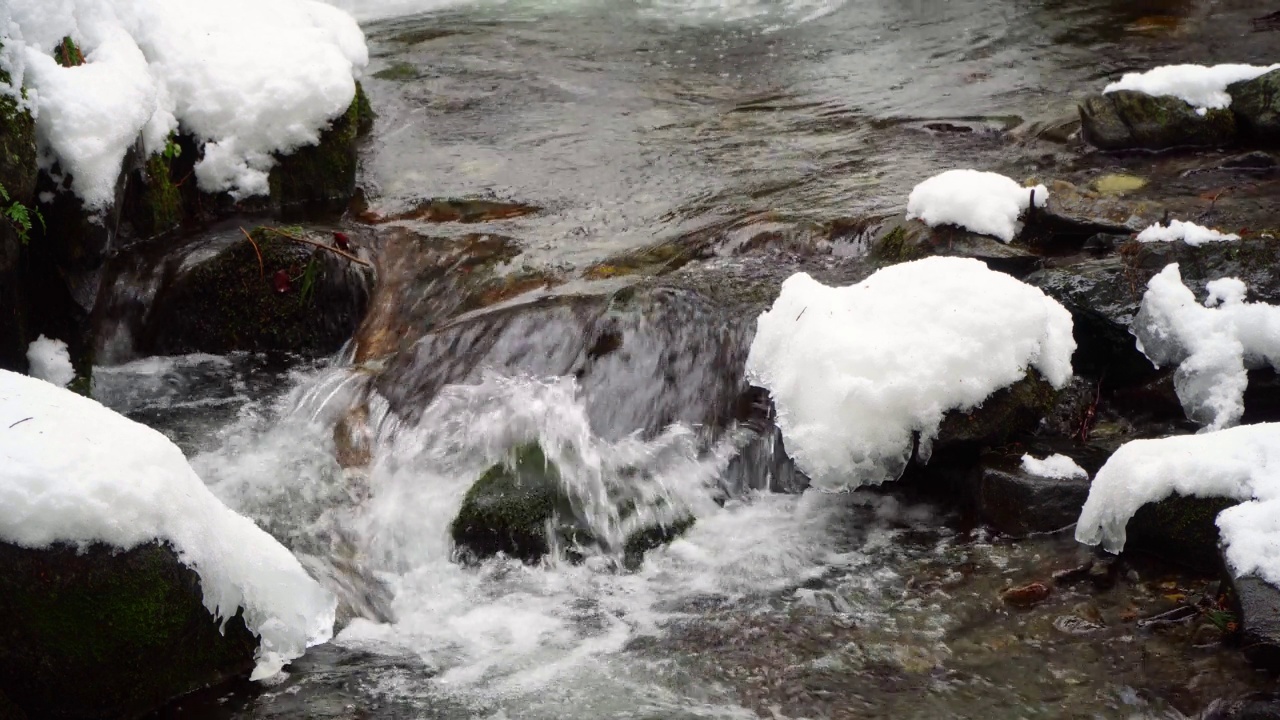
pixel 1256 104
pixel 107 633
pixel 1127 119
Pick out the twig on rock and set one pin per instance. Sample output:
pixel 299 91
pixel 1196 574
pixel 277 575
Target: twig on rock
pixel 322 246
pixel 262 270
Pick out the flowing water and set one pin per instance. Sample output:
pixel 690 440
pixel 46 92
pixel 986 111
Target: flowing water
pixel 629 123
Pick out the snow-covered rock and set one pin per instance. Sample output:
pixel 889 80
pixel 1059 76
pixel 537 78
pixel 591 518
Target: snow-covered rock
pixel 1056 466
pixel 50 361
pixel 1199 86
pixel 1188 232
pixel 1212 345
pixel 75 472
pixel 1241 463
pixel 855 371
pixel 981 202
pixel 247 78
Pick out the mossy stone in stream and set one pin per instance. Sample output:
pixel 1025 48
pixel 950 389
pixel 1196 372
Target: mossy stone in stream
pixel 106 633
pixel 323 176
pixel 1180 529
pixel 509 508
pixel 514 504
pixel 1256 104
pixel 158 205
pixel 1127 119
pixel 300 300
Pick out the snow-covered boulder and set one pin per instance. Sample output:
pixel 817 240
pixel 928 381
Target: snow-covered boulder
pixel 1212 345
pixel 981 202
pixel 858 374
pixel 1019 500
pixel 121 568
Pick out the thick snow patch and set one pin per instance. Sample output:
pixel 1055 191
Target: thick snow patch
pixel 1056 467
pixel 1197 85
pixel 76 472
pixel 1188 232
pixel 1241 463
pixel 855 371
pixel 1213 344
pixel 49 361
pixel 981 202
pixel 247 78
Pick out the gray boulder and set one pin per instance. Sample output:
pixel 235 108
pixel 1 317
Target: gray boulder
pixel 1256 104
pixel 1128 120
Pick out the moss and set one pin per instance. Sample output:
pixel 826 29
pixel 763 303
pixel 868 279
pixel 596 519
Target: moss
pixel 105 633
pixel 1004 414
pixel 159 207
pixel 1180 529
pixel 67 54
pixel 365 116
pixel 18 172
pixel 321 176
pixel 230 302
pixel 898 245
pixel 398 71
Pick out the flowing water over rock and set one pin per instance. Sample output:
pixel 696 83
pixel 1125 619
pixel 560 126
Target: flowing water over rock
pixel 580 206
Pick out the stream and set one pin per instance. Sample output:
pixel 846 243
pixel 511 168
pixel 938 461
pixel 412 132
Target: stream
pixel 628 124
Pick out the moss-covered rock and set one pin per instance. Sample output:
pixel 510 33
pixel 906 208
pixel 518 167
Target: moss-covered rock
pixel 519 506
pixel 899 240
pixel 18 178
pixel 1006 413
pixel 510 508
pixel 298 299
pixel 155 202
pixel 1256 104
pixel 107 633
pixel 323 176
pixel 1179 529
pixel 1127 119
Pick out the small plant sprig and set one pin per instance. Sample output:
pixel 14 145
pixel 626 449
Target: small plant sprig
pixel 171 148
pixel 19 215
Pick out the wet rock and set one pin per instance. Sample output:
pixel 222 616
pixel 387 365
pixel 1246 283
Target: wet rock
pixel 900 240
pixel 466 211
pixel 1018 503
pixel 322 177
pixel 1180 530
pixel 1256 606
pixel 520 508
pixel 1256 104
pixel 1026 595
pixel 1101 209
pixel 1127 119
pixel 109 634
pixel 18 172
pixel 1008 412
pixel 1254 706
pixel 219 296
pixel 1253 161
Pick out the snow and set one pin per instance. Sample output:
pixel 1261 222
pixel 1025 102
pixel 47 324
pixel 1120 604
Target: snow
pixel 79 473
pixel 1055 467
pixel 1212 345
pixel 1197 85
pixel 247 78
pixel 1188 232
pixel 49 361
pixel 1241 463
pixel 981 202
pixel 855 371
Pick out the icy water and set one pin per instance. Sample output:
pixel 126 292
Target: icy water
pixel 628 123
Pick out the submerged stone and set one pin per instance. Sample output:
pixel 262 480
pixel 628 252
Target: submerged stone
pixel 1128 120
pixel 106 633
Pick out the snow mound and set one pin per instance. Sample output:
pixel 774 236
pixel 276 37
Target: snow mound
pixel 50 361
pixel 1241 463
pixel 1055 467
pixel 77 472
pixel 1188 232
pixel 981 202
pixel 855 371
pixel 1213 344
pixel 1197 85
pixel 248 78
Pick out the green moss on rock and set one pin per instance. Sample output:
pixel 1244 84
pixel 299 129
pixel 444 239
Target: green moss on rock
pixel 1015 409
pixel 1127 119
pixel 229 302
pixel 323 176
pixel 107 633
pixel 18 171
pixel 1180 529
pixel 159 203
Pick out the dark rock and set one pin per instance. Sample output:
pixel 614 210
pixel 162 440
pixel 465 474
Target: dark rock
pixel 1018 503
pixel 1126 119
pixel 227 301
pixel 514 505
pixel 109 634
pixel 1254 706
pixel 1256 605
pixel 1256 160
pixel 18 172
pixel 1256 104
pixel 1179 529
pixel 322 178
pixel 1006 413
pixel 899 240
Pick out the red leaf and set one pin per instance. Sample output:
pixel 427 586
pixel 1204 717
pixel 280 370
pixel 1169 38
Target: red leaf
pixel 280 281
pixel 342 241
